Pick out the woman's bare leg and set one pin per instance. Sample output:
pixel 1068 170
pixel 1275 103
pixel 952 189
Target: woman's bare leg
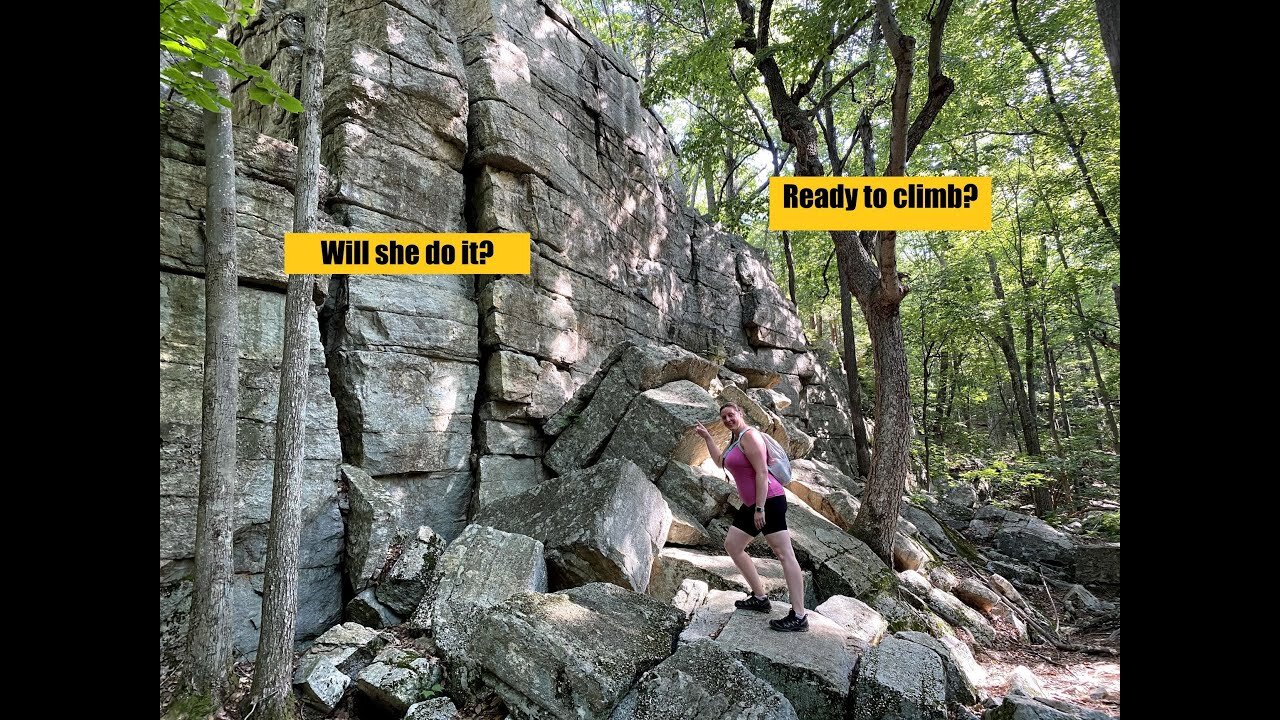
pixel 780 543
pixel 736 545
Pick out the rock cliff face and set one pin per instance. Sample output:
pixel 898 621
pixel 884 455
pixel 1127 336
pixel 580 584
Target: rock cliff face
pixel 480 115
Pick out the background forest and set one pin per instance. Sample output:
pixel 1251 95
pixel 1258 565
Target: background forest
pixel 1012 336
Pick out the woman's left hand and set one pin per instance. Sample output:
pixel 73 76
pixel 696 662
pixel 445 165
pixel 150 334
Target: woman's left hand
pixel 760 521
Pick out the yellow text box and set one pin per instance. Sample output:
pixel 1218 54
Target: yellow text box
pixel 406 253
pixel 880 203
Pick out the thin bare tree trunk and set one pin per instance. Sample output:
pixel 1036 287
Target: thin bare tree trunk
pixel 1031 434
pixel 861 443
pixel 1104 394
pixel 272 691
pixel 944 367
pixel 924 401
pixel 791 271
pixel 209 636
pixel 708 178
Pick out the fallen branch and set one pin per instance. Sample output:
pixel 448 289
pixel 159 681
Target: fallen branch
pixel 1050 636
pixel 1057 624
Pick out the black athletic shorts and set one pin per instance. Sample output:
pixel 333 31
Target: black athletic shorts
pixel 775 517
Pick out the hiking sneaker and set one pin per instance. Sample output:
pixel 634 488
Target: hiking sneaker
pixel 754 603
pixel 791 623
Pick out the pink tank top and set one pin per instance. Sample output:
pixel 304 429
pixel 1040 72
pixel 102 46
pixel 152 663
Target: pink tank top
pixel 744 475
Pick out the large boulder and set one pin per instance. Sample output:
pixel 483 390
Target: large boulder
pixel 957 613
pixel 929 529
pixel 349 647
pixel 320 683
pixel 365 609
pixel 437 708
pixel 658 427
pixel 479 569
pixel 1021 707
pixel 824 488
pixel 864 623
pixel 909 554
pixel 812 669
pixel 397 679
pixel 685 528
pixel 1023 537
pixel 574 653
pixel 586 422
pixel 1098 564
pixel 703 681
pixel 900 680
pixel 964 675
pixel 602 524
pixel 371 527
pixel 915 582
pixel 976 595
pixel 903 616
pixel 704 494
pixel 842 564
pixel 409 578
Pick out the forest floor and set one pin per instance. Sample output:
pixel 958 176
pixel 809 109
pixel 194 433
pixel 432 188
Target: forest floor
pixel 1089 681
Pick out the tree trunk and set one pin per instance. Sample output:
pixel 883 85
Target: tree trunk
pixel 877 519
pixel 1030 434
pixel 861 443
pixel 944 368
pixel 1073 144
pixel 873 278
pixel 1010 352
pixel 1064 479
pixel 1029 355
pixel 709 179
pixel 1109 24
pixel 730 182
pixel 791 270
pixel 272 691
pixel 1105 395
pixel 1050 374
pixel 209 636
pixel 693 187
pixel 924 395
pixel 1093 354
pixel 955 383
pixel 1057 380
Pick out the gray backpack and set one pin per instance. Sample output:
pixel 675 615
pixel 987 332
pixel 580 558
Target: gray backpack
pixel 776 459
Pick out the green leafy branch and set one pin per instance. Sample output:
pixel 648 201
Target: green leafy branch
pixel 189 36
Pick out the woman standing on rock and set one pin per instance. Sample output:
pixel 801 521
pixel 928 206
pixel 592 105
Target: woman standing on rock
pixel 764 508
